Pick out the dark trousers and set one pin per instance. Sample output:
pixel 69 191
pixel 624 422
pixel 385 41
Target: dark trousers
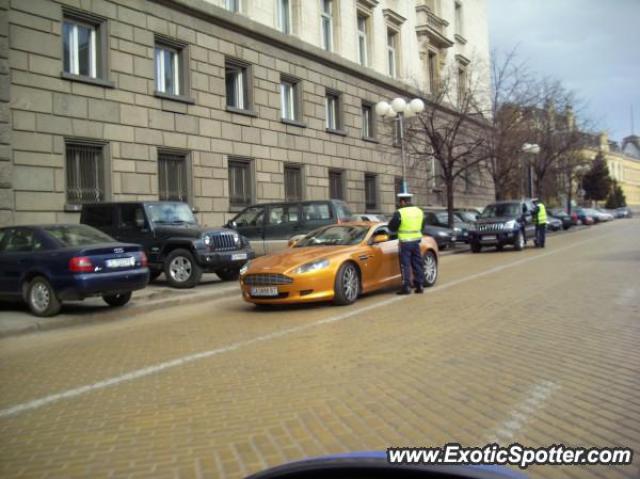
pixel 541 235
pixel 410 258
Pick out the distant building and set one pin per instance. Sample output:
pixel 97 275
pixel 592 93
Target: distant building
pixel 631 146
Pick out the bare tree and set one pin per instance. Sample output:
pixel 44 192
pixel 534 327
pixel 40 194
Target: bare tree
pixel 512 93
pixel 450 132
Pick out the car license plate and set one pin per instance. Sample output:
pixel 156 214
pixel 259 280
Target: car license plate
pixel 489 238
pixel 264 291
pixel 121 262
pixel 238 256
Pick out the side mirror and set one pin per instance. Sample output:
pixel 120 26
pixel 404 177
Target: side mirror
pixel 293 240
pixel 231 224
pixel 140 223
pixel 380 238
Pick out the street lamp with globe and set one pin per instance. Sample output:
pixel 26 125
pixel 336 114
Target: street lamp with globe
pixel 398 110
pixel 533 149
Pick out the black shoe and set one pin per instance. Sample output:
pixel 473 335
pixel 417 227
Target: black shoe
pixel 419 290
pixel 404 291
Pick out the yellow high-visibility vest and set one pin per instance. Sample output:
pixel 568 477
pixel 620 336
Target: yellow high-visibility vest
pixel 411 218
pixel 542 215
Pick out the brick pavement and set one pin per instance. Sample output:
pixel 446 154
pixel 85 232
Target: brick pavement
pixel 461 364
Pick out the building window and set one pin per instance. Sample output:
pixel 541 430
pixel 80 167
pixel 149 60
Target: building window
pixel 240 182
pixel 171 68
pixel 232 5
pixel 173 176
pixel 283 11
pixel 363 40
pixel 370 191
pixel 368 125
pixel 462 85
pixel 392 52
pixel 85 166
pixel 237 82
pixel 397 185
pixel 293 183
pixel 84 45
pixel 459 26
pixel 333 110
pixel 433 71
pixel 336 184
pixel 290 93
pixel 326 24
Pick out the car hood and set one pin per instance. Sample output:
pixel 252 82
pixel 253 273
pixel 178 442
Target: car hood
pixel 293 257
pixel 187 230
pixel 431 230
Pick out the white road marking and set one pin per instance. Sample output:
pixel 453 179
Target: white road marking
pixel 519 416
pixel 156 368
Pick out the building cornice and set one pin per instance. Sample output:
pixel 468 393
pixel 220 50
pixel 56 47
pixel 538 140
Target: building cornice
pixel 367 6
pixel 393 18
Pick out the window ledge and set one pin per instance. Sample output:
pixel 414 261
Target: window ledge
pixel 369 139
pixel 336 132
pixel 293 122
pixel 241 111
pixel 180 98
pixel 72 207
pixel 460 39
pixel 89 80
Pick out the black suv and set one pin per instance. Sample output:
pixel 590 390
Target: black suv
pixel 501 223
pixel 172 239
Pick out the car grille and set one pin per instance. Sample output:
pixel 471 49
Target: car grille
pixel 490 227
pixel 266 279
pixel 224 241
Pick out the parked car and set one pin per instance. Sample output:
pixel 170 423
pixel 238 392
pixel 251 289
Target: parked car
pixel 598 216
pixel 45 265
pixel 562 215
pixel 441 218
pixel 503 223
pixel 466 216
pixel 333 263
pixel 269 226
pixel 172 239
pixel 584 216
pixel 444 237
pixel 605 214
pixel 624 212
pixel 553 224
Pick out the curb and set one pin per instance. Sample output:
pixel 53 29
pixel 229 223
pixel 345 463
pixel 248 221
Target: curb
pixel 124 313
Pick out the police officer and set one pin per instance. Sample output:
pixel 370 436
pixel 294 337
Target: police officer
pixel 540 220
pixel 408 221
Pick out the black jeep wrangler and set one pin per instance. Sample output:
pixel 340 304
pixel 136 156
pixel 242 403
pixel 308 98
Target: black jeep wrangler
pixel 503 223
pixel 173 241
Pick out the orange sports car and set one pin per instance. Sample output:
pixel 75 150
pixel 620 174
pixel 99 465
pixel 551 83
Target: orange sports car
pixel 333 263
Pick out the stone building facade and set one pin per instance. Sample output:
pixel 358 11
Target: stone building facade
pixel 183 99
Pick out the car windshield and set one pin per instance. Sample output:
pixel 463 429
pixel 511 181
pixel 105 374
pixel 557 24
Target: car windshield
pixel 466 216
pixel 335 235
pixel 170 213
pixel 501 209
pixel 443 218
pixel 77 235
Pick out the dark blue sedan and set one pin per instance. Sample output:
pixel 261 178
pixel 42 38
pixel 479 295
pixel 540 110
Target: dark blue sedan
pixel 45 265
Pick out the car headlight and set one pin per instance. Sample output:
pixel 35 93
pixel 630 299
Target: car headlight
pixel 443 234
pixel 471 227
pixel 313 266
pixel 511 224
pixel 207 239
pixel 245 268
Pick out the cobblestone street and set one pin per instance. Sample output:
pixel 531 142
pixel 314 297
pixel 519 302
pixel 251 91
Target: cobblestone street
pixel 538 347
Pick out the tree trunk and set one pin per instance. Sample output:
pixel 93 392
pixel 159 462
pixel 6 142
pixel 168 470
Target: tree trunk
pixel 450 201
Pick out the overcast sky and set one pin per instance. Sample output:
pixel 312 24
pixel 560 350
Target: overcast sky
pixel 593 46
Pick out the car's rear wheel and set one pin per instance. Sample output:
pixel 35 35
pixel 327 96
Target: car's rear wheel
pixel 476 247
pixel 116 300
pixel 347 284
pixel 430 269
pixel 228 274
pixel 41 298
pixel 518 244
pixel 181 269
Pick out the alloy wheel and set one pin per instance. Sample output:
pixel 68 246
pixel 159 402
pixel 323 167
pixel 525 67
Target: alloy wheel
pixel 180 269
pixel 40 297
pixel 430 268
pixel 350 283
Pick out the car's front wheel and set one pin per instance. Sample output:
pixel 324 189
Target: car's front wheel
pixel 181 269
pixel 41 298
pixel 228 274
pixel 116 300
pixel 347 285
pixel 518 244
pixel 430 269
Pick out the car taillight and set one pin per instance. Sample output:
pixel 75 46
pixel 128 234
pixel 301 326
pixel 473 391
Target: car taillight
pixel 80 264
pixel 143 260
